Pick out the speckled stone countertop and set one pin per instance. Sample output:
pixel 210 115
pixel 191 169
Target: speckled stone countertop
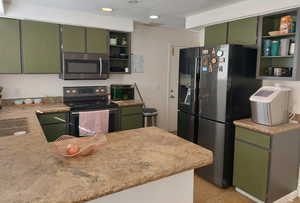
pixel 128 103
pixel 249 124
pixel 32 172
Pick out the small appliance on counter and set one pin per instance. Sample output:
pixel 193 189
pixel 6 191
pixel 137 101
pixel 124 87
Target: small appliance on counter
pixel 270 105
pixel 121 92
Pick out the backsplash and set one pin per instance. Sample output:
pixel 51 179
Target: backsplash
pixel 45 100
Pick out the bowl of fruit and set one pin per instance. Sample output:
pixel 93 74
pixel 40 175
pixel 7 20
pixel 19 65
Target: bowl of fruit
pixel 69 146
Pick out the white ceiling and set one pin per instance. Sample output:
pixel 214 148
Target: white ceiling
pixel 172 12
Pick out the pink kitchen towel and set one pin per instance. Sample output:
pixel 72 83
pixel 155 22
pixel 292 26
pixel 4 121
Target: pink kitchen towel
pixel 91 122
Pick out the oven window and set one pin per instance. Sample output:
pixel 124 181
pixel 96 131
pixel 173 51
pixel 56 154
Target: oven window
pixel 81 66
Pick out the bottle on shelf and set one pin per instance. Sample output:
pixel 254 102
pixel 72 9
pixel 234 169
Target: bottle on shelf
pixel 292 48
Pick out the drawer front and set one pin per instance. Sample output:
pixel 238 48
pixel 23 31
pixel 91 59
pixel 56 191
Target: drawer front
pixel 52 132
pixel 251 169
pixel 132 110
pixel 52 118
pixel 253 137
pixel 131 122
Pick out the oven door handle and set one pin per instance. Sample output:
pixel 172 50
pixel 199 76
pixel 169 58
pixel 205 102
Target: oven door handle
pixel 100 60
pixel 76 113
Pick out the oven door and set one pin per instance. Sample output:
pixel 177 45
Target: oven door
pixel 79 66
pixel 114 121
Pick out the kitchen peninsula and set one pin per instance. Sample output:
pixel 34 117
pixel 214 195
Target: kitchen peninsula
pixel 129 167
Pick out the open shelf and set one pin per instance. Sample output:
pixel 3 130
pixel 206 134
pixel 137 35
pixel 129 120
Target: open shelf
pixel 290 56
pixel 119 59
pixel 120 52
pixel 279 36
pixel 274 78
pixel 289 63
pixel 119 46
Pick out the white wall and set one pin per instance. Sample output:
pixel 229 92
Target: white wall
pixel 151 42
pixel 295 98
pixel 239 10
pixel 20 9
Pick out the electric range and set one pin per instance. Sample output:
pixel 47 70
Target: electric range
pixel 90 98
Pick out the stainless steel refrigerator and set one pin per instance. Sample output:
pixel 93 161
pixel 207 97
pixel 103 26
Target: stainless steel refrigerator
pixel 189 64
pixel 227 80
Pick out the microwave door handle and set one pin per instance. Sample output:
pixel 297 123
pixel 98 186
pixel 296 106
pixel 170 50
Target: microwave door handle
pixel 100 60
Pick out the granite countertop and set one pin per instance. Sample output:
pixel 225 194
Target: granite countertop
pixel 31 171
pixel 249 124
pixel 128 103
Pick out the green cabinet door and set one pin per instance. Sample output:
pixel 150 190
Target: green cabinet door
pixel 131 121
pixel 41 47
pixel 251 169
pixel 243 31
pixel 54 131
pixel 10 46
pixel 73 38
pixel 97 40
pixel 216 35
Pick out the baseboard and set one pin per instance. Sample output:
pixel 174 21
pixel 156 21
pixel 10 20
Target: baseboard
pixel 248 195
pixel 289 197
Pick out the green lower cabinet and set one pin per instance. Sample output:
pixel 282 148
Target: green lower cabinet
pixel 251 169
pixel 131 121
pixel 40 47
pixel 54 131
pixel 54 124
pixel 10 46
pixel 266 166
pixel 131 117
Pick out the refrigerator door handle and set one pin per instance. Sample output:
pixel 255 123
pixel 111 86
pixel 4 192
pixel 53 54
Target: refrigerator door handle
pixel 195 77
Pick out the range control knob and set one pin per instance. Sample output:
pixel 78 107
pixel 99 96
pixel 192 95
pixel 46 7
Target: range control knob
pixel 68 91
pixel 74 91
pixel 102 90
pixel 97 90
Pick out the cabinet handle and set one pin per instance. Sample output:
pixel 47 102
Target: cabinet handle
pixel 59 119
pixel 100 60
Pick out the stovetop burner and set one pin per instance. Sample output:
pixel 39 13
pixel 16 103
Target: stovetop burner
pixel 91 105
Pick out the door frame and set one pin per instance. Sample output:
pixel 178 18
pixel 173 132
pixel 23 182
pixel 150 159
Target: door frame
pixel 170 54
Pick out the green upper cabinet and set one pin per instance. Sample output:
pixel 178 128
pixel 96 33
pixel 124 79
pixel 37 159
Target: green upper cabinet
pixel 10 46
pixel 73 38
pixel 216 35
pixel 243 31
pixel 97 40
pixel 41 47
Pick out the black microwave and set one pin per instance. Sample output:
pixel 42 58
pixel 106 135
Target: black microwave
pixel 85 66
pixel 121 92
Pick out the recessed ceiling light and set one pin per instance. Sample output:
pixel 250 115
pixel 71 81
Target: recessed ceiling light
pixel 154 17
pixel 133 1
pixel 107 9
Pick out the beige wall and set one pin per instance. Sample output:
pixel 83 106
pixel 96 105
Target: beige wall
pixel 151 42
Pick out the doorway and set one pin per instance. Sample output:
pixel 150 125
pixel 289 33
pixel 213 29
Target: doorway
pixel 172 101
